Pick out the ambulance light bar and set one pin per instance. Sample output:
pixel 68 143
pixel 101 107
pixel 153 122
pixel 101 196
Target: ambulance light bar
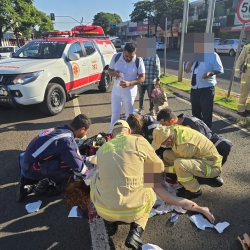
pixel 60 33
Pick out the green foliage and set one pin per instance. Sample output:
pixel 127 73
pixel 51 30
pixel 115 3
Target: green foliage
pixel 230 35
pixel 196 26
pixel 104 19
pixel 21 16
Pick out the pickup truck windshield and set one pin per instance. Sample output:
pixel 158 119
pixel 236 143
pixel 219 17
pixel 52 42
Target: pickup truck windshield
pixel 41 50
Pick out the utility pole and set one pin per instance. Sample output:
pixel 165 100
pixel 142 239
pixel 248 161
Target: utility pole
pixel 183 31
pixel 165 45
pixel 210 16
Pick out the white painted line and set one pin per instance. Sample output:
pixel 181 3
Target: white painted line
pixel 99 236
pixel 76 107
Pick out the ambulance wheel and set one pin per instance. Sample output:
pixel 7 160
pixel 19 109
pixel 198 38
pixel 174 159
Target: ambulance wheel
pixel 54 99
pixel 231 52
pixel 105 83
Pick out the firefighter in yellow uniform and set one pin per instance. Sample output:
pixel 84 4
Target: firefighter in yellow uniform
pixel 192 155
pixel 117 189
pixel 244 59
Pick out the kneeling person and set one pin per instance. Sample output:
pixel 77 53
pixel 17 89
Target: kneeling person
pixel 192 155
pixel 53 157
pixel 118 190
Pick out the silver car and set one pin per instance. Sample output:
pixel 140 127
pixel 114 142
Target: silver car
pixel 7 51
pixel 229 46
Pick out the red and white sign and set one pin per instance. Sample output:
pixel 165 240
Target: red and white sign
pixel 243 11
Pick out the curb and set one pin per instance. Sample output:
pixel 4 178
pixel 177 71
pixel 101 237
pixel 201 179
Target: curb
pixel 229 114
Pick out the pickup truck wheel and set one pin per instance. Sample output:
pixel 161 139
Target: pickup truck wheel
pixel 54 99
pixel 105 83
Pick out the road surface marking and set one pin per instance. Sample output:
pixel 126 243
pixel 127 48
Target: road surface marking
pixel 99 236
pixel 77 109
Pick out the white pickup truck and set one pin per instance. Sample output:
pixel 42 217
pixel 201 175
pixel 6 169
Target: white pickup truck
pixel 52 70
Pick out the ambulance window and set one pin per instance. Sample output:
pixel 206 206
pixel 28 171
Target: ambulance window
pixel 89 47
pixel 75 48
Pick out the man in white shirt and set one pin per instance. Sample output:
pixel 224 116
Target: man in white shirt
pixel 124 92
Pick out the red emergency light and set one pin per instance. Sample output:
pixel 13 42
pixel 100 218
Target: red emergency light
pixel 89 30
pixel 60 33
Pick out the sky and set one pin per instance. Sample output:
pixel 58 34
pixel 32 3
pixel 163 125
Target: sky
pixel 79 9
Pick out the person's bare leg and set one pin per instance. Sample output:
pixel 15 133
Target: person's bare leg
pixel 184 203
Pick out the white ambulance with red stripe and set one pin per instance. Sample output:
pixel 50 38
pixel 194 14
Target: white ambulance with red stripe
pixel 54 69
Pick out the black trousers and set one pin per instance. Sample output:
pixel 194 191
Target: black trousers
pixel 202 101
pixel 142 89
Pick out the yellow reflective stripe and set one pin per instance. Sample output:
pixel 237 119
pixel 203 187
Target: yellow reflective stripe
pixel 237 70
pixel 218 162
pixel 208 170
pixel 243 82
pixel 170 169
pixel 179 136
pixel 187 179
pixel 124 213
pixel 248 65
pixel 241 104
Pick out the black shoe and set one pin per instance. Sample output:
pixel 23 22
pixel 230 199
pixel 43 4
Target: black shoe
pixel 43 187
pixel 111 227
pixel 21 192
pixel 134 240
pixel 187 194
pixel 243 114
pixel 218 181
pixel 248 112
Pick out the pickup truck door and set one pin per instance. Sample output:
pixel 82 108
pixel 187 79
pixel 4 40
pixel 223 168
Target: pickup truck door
pixel 94 61
pixel 78 72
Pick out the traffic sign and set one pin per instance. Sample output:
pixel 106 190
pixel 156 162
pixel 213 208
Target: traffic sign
pixel 243 11
pixel 163 23
pixel 112 25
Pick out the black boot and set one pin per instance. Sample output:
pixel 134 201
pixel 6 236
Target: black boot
pixel 21 192
pixel 111 227
pixel 134 240
pixel 44 188
pixel 182 192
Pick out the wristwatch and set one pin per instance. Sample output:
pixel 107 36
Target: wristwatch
pixel 211 74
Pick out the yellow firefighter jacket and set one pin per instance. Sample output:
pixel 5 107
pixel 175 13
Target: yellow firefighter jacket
pixel 189 143
pixel 244 58
pixel 117 188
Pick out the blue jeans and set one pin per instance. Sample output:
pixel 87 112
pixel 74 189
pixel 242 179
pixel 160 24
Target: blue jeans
pixel 202 101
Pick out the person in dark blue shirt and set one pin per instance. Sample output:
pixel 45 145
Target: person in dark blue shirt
pixel 53 157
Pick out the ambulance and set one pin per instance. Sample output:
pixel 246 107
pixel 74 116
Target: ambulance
pixel 54 69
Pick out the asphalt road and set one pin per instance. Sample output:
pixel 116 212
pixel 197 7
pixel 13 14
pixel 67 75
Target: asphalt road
pixel 223 80
pixel 50 227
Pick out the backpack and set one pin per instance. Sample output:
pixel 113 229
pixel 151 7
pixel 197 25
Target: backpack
pixel 223 146
pixel 91 145
pixel 137 60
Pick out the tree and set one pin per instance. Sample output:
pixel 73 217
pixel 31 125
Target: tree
pixel 153 11
pixel 6 13
pixel 172 8
pixel 196 26
pixel 156 9
pixel 104 19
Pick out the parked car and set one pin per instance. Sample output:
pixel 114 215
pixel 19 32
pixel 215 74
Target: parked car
pixel 216 41
pixel 229 46
pixel 117 42
pixel 159 46
pixel 123 45
pixel 7 51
